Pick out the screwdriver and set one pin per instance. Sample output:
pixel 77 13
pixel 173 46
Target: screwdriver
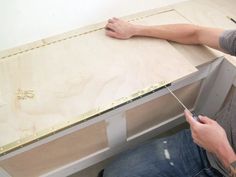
pixel 194 115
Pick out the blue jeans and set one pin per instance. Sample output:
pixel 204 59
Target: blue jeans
pixel 174 156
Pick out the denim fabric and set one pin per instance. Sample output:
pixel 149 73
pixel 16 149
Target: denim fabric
pixel 174 156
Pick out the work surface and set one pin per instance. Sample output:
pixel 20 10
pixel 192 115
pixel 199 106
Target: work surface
pixel 59 81
pixel 62 79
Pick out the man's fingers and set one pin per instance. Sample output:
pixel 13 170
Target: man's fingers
pixel 189 117
pixel 111 33
pixel 205 120
pixel 111 21
pixel 115 19
pixel 110 26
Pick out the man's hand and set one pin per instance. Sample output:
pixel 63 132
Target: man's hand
pixel 120 29
pixel 211 136
pixel 207 134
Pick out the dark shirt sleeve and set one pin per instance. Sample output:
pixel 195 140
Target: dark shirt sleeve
pixel 227 41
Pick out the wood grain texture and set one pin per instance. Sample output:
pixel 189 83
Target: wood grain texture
pixel 227 7
pixel 207 12
pixel 51 85
pixel 57 153
pixel 197 54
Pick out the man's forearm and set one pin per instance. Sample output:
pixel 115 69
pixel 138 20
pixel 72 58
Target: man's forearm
pixel 182 33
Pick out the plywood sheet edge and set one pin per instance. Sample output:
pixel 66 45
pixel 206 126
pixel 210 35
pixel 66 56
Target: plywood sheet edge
pixel 5 54
pixel 98 111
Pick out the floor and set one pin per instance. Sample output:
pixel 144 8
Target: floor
pixel 94 170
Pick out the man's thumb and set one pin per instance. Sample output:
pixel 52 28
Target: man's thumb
pixel 204 119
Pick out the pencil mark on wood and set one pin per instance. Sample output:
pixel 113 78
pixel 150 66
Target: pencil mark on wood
pixel 24 94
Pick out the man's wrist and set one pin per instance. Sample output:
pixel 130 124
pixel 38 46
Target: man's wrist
pixel 137 30
pixel 141 30
pixel 226 155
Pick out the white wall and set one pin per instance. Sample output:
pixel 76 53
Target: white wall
pixel 24 21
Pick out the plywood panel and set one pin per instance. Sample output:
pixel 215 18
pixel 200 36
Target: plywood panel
pixel 154 112
pixel 197 54
pixel 67 76
pixel 227 7
pixel 206 12
pixel 58 152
